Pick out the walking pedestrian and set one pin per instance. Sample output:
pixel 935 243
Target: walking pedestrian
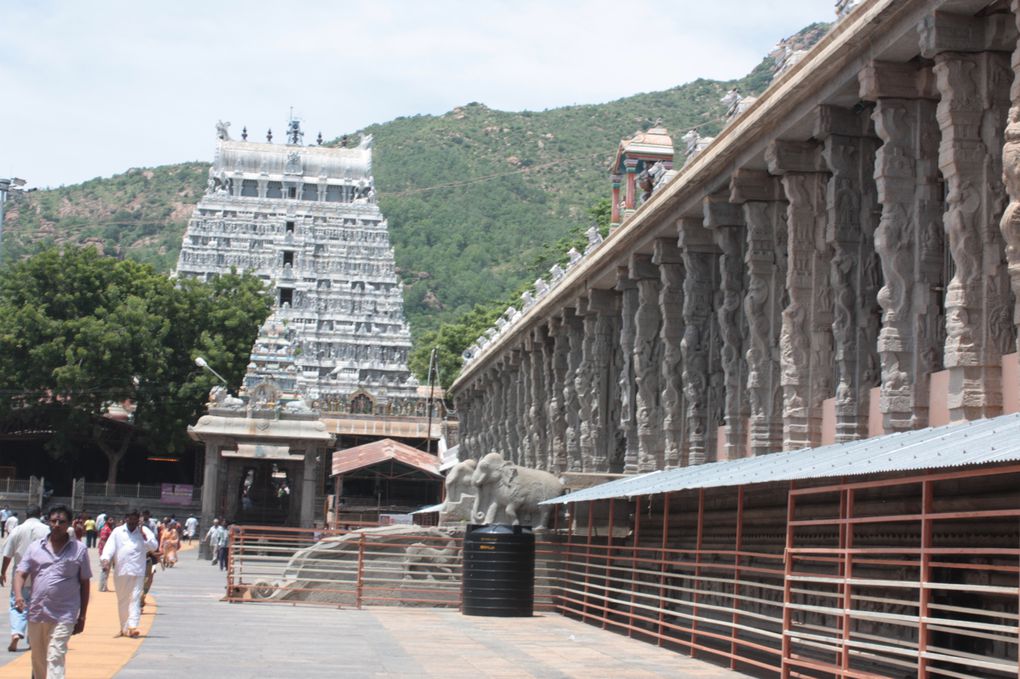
pixel 169 546
pixel 213 530
pixel 10 523
pixel 90 532
pixel 17 543
pixel 126 551
pixel 104 535
pixel 222 540
pixel 4 514
pixel 60 573
pixel 190 528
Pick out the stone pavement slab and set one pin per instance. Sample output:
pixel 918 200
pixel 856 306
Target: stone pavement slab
pixel 196 635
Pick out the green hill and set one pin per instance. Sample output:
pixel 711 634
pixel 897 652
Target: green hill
pixel 474 198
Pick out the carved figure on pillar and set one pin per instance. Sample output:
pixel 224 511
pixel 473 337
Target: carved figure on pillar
pixel 671 304
pixel 583 384
pixel 647 325
pixel 627 383
pixel 528 435
pixel 699 258
pixel 575 333
pixel 557 410
pixel 602 306
pixel 1010 224
pixel 805 340
pixel 765 256
pixel 909 240
pixel 726 220
pixel 854 272
pixel 972 112
pixel 537 412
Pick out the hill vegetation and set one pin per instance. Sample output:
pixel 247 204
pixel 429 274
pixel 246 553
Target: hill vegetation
pixel 479 201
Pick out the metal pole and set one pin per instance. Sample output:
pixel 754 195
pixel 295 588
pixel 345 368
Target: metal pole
pixel 432 391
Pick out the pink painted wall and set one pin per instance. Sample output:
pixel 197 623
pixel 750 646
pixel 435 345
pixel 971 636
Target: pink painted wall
pixel 938 399
pixel 875 427
pixel 828 421
pixel 1010 384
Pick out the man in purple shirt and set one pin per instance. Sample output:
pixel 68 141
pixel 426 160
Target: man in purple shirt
pixel 60 572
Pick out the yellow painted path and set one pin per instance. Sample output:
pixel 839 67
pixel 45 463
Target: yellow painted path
pixel 95 653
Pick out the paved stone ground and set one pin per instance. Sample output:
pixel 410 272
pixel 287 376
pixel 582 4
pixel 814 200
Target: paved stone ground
pixel 196 635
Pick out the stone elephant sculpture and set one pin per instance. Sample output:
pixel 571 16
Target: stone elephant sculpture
pixel 515 492
pixel 460 493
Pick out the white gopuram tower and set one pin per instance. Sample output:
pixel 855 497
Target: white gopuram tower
pixel 304 220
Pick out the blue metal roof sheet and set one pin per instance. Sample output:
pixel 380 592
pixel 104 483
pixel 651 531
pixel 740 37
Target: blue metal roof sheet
pixel 988 441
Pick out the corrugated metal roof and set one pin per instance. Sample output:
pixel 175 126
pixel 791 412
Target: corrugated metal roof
pixel 979 442
pixel 349 459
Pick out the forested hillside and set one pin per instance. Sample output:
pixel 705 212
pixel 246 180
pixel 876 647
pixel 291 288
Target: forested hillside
pixel 478 201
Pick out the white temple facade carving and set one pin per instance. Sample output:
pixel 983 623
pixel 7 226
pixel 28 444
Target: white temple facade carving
pixel 304 220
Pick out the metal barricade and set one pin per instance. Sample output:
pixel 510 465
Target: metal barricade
pixel 359 565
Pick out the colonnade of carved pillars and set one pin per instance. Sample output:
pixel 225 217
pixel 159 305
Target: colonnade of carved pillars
pixel 877 253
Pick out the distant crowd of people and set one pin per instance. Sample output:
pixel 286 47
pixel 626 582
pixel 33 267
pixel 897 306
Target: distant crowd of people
pixel 50 590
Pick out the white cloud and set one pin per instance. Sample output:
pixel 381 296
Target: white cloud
pixel 94 88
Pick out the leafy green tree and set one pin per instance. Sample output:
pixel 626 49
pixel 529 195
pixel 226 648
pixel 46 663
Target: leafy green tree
pixel 80 331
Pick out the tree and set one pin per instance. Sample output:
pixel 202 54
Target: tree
pixel 80 331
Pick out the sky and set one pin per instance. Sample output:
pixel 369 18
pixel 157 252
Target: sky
pixel 92 89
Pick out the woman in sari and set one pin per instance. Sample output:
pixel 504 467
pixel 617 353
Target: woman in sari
pixel 104 535
pixel 169 544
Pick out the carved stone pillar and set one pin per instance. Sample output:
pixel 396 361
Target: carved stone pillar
pixel 647 354
pixel 668 258
pixel 761 196
pixel 972 110
pixel 549 382
pixel 583 383
pixel 700 257
pixel 513 404
pixel 557 403
pixel 602 308
pixel 498 393
pixel 1010 224
pixel 537 410
pixel 805 342
pixel 909 239
pixel 855 275
pixel 575 332
pixel 627 384
pixel 526 394
pixel 727 223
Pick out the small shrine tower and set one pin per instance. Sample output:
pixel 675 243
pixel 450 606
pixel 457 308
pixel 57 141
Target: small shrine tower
pixel 642 159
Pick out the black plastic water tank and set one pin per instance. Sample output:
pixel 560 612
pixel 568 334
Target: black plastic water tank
pixel 499 571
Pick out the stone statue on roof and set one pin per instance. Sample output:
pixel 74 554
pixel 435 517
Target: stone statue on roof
pixel 222 131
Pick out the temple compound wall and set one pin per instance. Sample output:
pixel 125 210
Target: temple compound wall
pixel 841 261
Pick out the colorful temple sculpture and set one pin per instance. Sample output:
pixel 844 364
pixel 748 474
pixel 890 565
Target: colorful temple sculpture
pixel 641 162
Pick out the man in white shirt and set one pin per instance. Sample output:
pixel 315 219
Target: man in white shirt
pixel 127 549
pixel 18 541
pixel 190 528
pixel 214 530
pixel 100 522
pixel 11 522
